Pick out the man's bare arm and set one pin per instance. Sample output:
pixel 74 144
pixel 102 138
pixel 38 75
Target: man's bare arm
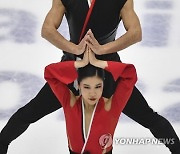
pixel 133 29
pixel 133 33
pixel 50 33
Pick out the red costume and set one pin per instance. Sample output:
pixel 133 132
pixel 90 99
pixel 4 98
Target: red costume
pixel 103 123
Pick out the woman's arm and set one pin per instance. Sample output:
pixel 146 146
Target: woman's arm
pixel 124 73
pixel 126 76
pixel 118 70
pixel 58 75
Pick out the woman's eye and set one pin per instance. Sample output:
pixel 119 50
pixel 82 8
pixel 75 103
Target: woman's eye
pixel 86 87
pixel 98 87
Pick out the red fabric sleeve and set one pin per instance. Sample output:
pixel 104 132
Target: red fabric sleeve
pixel 58 75
pixel 126 73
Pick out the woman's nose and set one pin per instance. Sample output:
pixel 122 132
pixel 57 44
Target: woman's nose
pixel 92 92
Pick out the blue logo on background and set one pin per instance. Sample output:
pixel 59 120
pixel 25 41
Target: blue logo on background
pixel 29 84
pixel 17 25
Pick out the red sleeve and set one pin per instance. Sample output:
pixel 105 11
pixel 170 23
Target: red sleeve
pixel 58 75
pixel 126 73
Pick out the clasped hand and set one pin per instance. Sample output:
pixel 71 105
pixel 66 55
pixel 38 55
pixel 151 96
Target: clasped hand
pixel 90 41
pixel 89 57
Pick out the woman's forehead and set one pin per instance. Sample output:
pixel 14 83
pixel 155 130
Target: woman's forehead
pixel 92 80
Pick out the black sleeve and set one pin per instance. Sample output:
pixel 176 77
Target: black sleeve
pixel 66 3
pixel 122 2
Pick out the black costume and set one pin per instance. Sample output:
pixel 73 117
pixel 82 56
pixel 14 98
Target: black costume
pixel 103 23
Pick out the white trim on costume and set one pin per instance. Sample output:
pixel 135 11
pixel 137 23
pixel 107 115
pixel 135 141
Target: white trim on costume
pixel 84 132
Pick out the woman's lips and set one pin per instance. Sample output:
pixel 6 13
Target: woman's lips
pixel 92 99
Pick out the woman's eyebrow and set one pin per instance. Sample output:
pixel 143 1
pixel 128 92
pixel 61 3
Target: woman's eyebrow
pixel 99 84
pixel 86 84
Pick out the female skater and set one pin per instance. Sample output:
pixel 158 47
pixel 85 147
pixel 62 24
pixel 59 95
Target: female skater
pixel 90 118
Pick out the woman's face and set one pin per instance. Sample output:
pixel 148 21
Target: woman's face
pixel 91 89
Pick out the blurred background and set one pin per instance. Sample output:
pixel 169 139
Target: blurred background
pixel 24 54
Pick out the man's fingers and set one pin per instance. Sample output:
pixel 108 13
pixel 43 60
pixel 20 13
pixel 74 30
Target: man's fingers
pixel 90 33
pixel 89 45
pixel 84 47
pixel 90 39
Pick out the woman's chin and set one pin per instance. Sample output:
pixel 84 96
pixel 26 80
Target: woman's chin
pixel 92 102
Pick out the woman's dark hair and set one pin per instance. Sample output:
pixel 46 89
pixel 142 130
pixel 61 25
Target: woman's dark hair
pixel 90 71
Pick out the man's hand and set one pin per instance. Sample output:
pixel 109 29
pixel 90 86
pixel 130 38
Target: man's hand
pixel 89 57
pixel 81 47
pixel 93 44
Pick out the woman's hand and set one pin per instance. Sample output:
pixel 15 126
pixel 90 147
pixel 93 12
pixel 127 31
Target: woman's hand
pixel 94 61
pixel 89 57
pixel 93 44
pixel 84 61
